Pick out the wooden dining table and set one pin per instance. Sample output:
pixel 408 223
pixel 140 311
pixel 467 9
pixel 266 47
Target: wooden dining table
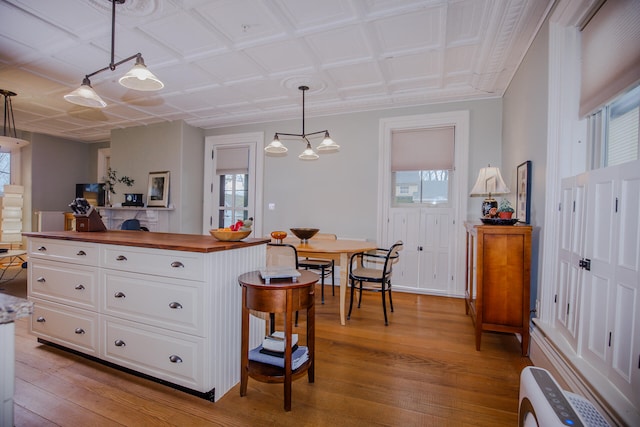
pixel 338 250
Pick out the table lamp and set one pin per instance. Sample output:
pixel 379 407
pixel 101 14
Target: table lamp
pixel 489 182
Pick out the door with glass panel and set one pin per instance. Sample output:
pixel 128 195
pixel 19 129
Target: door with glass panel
pixel 230 184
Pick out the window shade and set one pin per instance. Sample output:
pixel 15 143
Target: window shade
pixel 232 160
pixel 610 53
pixel 423 149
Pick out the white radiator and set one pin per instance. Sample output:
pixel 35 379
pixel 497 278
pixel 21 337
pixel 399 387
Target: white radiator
pixel 544 404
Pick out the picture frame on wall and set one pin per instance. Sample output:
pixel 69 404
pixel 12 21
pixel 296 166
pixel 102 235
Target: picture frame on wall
pixel 158 193
pixel 523 192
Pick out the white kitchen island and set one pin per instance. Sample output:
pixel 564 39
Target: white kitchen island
pixel 162 305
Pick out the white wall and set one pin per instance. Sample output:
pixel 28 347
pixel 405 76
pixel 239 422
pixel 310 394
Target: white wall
pixel 338 192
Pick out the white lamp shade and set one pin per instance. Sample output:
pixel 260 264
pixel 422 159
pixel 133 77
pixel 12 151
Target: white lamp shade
pixel 8 143
pixel 86 97
pixel 327 144
pixel 489 182
pixel 308 154
pixel 140 78
pixel 276 147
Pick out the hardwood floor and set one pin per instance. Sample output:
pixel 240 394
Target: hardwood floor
pixel 421 370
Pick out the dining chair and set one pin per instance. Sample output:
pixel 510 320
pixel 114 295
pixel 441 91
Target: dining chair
pixel 132 224
pixel 281 255
pixel 373 268
pixel 326 267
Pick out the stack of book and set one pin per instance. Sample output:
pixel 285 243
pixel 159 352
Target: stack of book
pixel 271 351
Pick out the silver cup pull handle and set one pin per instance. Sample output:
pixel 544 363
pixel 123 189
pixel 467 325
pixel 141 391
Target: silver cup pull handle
pixel 119 343
pixel 175 305
pixel 175 359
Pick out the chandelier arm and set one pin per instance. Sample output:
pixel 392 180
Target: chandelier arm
pixel 113 66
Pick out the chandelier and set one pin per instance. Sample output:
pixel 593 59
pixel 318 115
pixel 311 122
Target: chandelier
pixel 138 78
pixel 327 144
pixel 9 139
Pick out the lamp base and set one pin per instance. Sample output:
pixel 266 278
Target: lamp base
pixel 487 204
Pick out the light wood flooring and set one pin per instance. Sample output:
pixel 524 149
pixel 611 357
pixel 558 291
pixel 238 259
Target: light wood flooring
pixel 421 370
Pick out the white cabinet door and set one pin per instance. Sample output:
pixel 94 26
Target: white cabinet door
pixel 570 251
pixel 611 337
pixel 426 261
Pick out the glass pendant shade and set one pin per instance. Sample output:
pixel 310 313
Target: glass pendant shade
pixel 308 153
pixel 140 78
pixel 85 96
pixel 327 144
pixel 275 146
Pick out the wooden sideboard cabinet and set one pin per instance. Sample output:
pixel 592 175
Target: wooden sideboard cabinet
pixel 497 290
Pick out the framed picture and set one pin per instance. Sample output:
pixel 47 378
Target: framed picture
pixel 523 194
pixel 158 194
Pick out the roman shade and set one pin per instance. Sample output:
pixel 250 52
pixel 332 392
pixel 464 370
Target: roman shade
pixel 422 149
pixel 232 160
pixel 610 54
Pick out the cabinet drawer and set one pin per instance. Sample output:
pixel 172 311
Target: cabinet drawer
pixel 75 285
pixel 177 358
pixel 67 326
pixel 174 304
pixel 59 250
pixel 165 263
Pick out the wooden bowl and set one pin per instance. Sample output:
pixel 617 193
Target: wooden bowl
pixel 229 236
pixel 304 234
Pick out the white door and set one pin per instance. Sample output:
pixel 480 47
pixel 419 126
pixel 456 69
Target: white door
pixel 570 252
pixel 427 257
pixel 232 193
pixel 611 336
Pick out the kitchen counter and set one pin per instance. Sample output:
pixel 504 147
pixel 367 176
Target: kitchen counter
pixel 164 305
pixel 170 241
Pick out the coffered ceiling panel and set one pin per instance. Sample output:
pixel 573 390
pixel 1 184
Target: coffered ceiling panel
pixel 230 62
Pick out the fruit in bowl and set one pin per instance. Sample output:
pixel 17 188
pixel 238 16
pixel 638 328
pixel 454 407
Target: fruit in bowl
pixel 227 235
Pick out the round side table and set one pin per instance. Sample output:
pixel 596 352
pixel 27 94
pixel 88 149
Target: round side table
pixel 279 296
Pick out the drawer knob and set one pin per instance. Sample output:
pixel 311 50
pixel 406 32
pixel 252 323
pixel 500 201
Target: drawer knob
pixel 177 264
pixel 41 319
pixel 42 249
pixel 121 258
pixel 119 343
pixel 175 305
pixel 175 359
pixel 79 287
pixel 40 279
pixel 79 331
pixel 81 253
pixel 119 295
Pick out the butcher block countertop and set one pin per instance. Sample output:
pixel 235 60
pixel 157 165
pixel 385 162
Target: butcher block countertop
pixel 146 239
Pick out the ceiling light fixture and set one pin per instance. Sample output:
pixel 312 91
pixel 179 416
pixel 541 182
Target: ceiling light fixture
pixel 327 144
pixel 9 139
pixel 138 78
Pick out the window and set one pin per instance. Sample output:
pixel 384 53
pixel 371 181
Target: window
pixel 613 131
pixel 234 199
pixel 5 169
pixel 421 163
pixel 232 167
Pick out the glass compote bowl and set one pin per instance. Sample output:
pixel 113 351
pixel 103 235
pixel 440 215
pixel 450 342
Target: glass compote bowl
pixel 304 234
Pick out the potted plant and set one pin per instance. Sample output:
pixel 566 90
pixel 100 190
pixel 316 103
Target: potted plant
pixel 505 211
pixel 110 181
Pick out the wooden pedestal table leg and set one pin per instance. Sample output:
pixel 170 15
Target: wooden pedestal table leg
pixel 244 350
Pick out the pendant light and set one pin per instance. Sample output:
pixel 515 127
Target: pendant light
pixel 138 78
pixel 9 138
pixel 327 144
